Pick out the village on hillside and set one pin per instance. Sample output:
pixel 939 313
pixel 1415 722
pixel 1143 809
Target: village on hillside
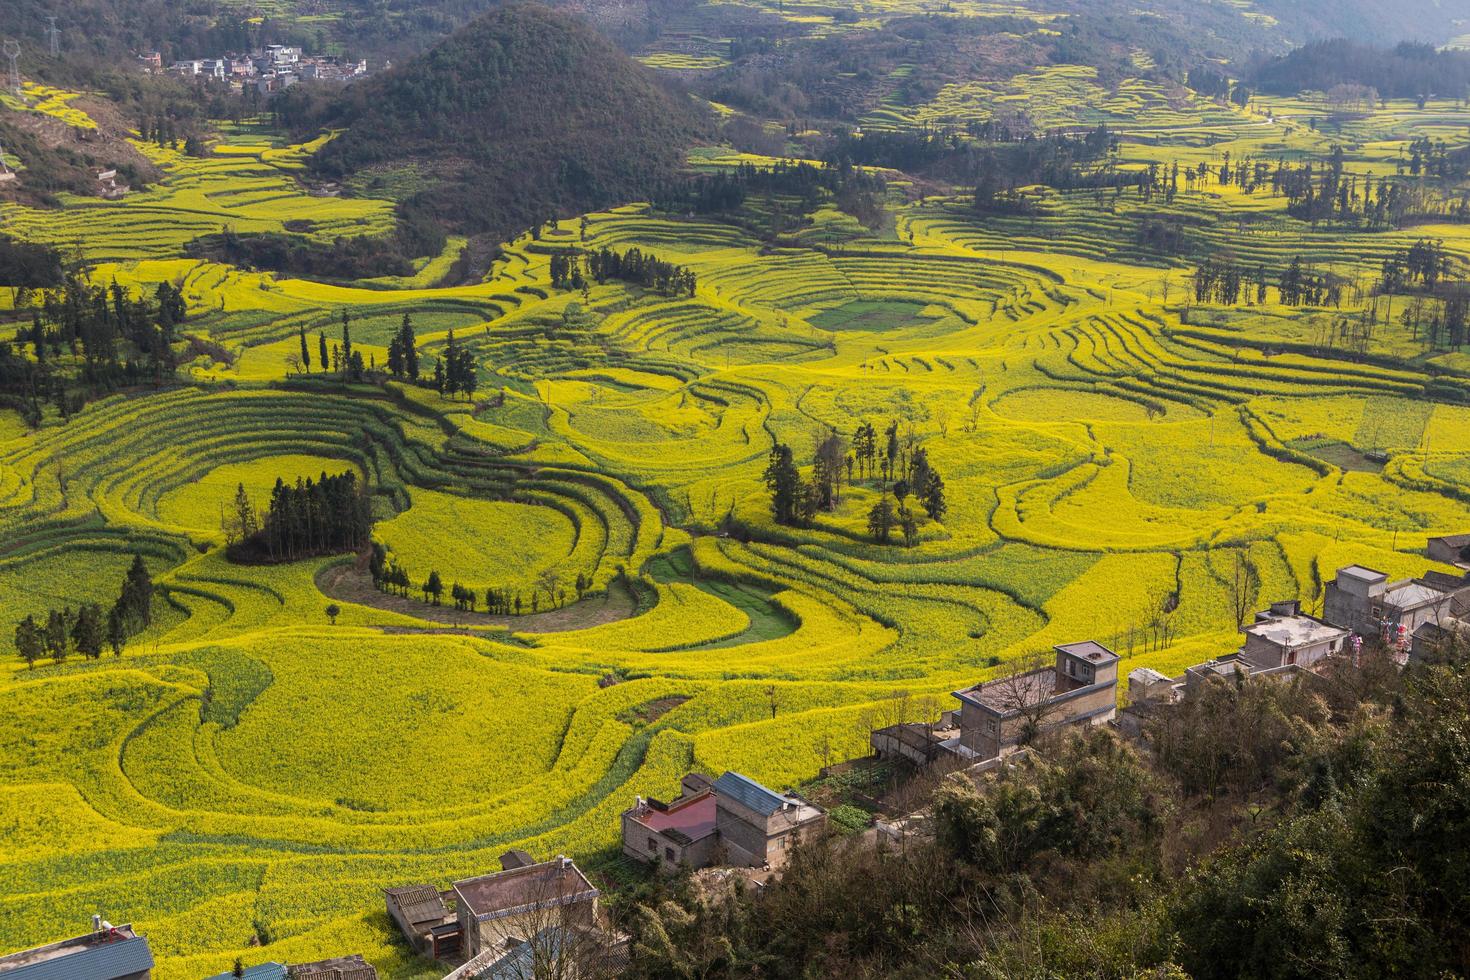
pixel 270 68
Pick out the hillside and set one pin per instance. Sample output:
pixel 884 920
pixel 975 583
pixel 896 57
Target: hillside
pixel 520 116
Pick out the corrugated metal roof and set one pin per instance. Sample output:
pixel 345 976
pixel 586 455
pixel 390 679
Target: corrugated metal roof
pixel 749 793
pixel 101 962
pixel 260 971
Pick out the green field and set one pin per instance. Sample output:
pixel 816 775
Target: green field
pixel 250 773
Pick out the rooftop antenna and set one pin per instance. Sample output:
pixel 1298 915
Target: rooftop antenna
pixel 11 47
pixel 54 34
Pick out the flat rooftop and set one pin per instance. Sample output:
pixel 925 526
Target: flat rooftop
pixel 557 882
pixel 694 817
pixel 1008 693
pixel 1089 650
pixel 1295 631
pixel 1362 573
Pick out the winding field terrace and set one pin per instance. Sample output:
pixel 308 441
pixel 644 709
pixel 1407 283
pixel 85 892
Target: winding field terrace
pixel 249 769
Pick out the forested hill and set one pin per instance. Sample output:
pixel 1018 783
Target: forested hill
pixel 1403 72
pixel 521 115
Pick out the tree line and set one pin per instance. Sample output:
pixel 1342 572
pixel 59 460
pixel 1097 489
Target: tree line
pixel 1405 71
pixel 1224 280
pixel 727 189
pixel 88 340
pixel 391 577
pixel 1059 160
pixel 87 630
pixel 455 371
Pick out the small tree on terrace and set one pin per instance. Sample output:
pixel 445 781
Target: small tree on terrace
pixel 433 588
pixel 57 642
pixel 550 582
pixel 831 456
pixel 136 599
pixel 30 641
pixel 933 497
pixel 784 481
pixel 881 520
pixel 239 521
pixel 910 528
pixel 117 633
pixel 87 633
pixel 333 611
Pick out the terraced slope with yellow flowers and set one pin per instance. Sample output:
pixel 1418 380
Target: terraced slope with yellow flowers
pixel 251 770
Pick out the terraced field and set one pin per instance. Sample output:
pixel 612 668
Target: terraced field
pixel 251 772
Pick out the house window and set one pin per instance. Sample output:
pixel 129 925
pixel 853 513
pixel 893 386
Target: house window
pixel 652 845
pixel 669 853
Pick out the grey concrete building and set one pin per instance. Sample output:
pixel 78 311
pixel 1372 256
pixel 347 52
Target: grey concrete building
pixel 1081 688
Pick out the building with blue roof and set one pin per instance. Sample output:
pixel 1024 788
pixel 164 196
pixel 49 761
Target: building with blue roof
pixel 106 953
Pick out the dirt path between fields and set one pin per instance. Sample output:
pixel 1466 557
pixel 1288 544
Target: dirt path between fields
pixel 350 584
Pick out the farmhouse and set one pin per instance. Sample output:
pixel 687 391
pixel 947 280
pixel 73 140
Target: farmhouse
pixel 1452 549
pixel 1282 635
pixel 733 820
pixel 426 922
pixel 918 743
pixel 1079 689
pixel 108 952
pixel 497 911
pixel 757 827
pixel 1364 601
pixel 677 833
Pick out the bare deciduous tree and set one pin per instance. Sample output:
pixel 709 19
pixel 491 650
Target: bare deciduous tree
pixel 1025 686
pixel 1245 583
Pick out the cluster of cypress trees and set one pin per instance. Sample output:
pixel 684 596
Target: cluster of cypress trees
pixel 326 516
pixel 455 372
pixel 403 354
pixel 642 269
